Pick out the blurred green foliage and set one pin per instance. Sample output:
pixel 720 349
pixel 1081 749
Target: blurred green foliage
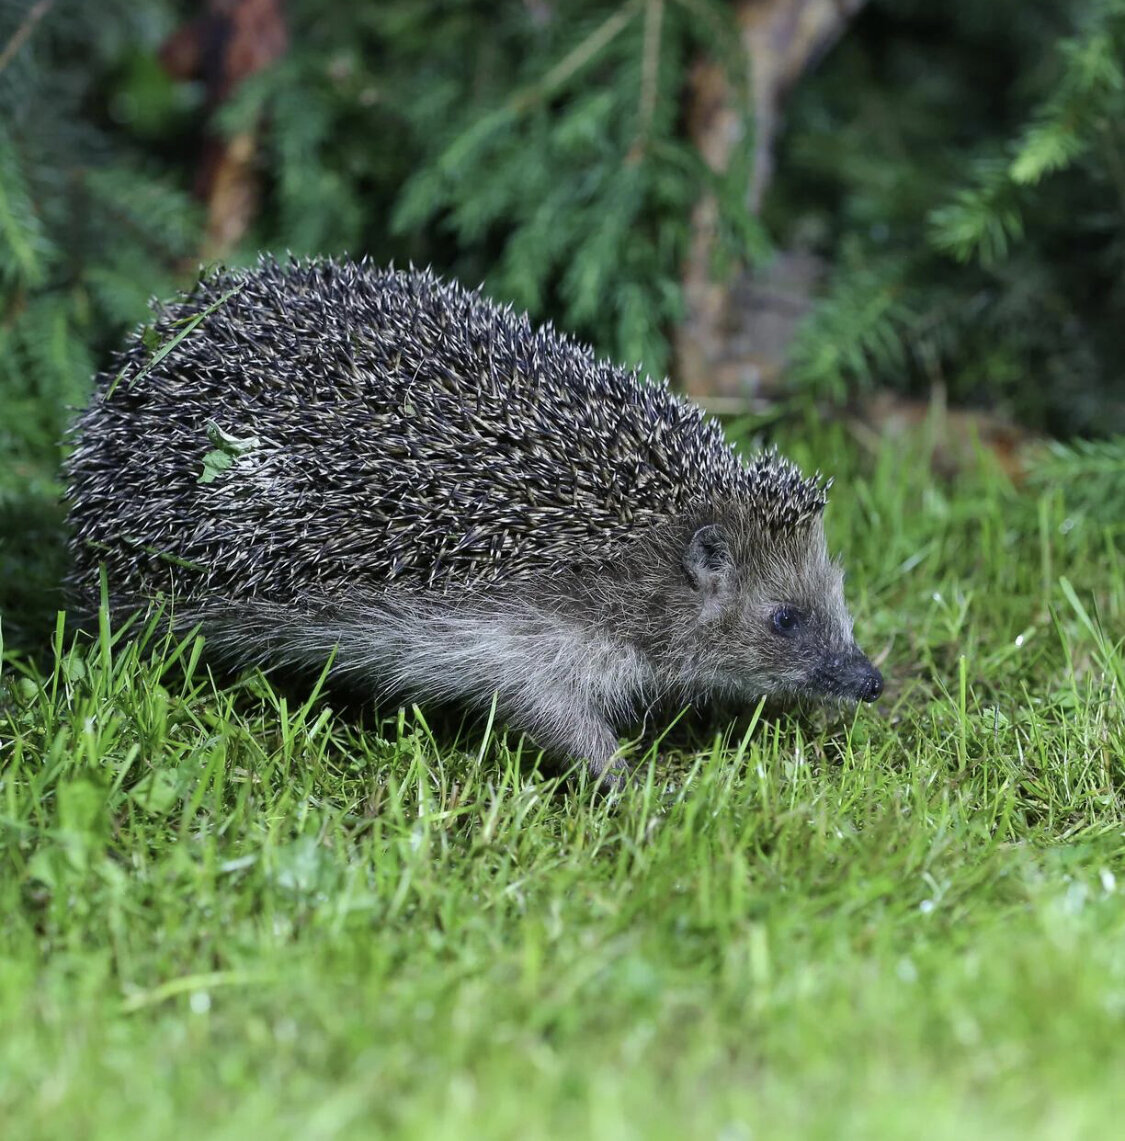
pixel 962 168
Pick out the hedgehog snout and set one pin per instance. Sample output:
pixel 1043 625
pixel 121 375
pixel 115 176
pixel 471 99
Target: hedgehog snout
pixel 872 686
pixel 853 675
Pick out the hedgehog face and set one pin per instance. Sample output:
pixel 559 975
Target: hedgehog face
pixel 769 617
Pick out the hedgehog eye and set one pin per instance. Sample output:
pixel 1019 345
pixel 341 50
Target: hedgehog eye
pixel 786 619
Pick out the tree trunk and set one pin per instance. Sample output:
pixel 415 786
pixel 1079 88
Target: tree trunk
pixel 733 340
pixel 231 41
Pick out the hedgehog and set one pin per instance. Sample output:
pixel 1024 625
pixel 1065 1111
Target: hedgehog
pixel 328 464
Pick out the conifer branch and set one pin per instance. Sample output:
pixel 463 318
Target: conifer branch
pixel 575 60
pixel 650 74
pixel 27 26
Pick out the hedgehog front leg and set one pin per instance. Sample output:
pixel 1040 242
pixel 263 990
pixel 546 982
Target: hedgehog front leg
pixel 571 728
pixel 557 679
pixel 596 743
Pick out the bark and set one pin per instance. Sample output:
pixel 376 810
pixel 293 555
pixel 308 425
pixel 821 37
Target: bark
pixel 232 40
pixel 732 341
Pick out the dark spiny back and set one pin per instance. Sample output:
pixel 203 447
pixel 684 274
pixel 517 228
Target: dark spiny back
pixel 395 428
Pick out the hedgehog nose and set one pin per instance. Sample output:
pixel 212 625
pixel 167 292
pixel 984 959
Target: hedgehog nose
pixel 872 687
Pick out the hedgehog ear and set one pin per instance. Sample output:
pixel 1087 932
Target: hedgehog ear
pixel 707 559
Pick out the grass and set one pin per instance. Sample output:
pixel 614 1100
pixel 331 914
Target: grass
pixel 231 912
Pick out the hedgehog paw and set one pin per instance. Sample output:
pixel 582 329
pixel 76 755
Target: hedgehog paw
pixel 612 776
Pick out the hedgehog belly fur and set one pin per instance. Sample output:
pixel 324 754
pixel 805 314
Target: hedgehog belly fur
pixel 554 677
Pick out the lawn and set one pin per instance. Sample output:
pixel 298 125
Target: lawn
pixel 229 911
